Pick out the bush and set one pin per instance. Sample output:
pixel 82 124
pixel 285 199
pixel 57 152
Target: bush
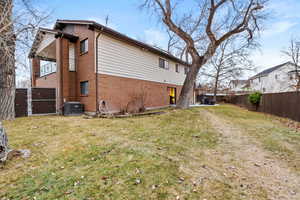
pixel 254 98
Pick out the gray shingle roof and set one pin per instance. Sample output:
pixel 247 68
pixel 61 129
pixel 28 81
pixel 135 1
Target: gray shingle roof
pixel 269 70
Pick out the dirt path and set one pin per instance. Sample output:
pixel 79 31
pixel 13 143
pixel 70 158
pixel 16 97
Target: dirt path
pixel 255 168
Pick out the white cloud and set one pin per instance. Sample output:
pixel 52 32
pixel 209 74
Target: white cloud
pixel 278 28
pixel 285 8
pixel 267 58
pixel 155 37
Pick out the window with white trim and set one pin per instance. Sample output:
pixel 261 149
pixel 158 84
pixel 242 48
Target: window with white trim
pixel 72 67
pixel 163 63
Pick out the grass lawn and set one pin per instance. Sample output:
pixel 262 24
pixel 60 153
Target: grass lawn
pixel 152 157
pixel 268 130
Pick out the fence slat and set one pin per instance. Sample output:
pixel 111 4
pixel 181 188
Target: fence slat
pixel 281 104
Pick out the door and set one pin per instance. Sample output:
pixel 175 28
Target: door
pixel 172 94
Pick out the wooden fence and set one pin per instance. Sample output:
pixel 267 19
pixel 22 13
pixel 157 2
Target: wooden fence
pixel 281 104
pixel 35 101
pixel 43 100
pixel 21 103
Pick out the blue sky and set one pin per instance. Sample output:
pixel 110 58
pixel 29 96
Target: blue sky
pixel 125 17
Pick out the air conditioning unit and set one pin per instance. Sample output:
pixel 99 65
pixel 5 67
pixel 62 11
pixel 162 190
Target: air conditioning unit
pixel 73 108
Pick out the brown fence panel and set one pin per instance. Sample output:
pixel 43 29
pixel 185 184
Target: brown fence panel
pixel 21 106
pixel 43 100
pixel 281 104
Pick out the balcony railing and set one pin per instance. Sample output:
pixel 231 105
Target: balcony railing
pixel 48 68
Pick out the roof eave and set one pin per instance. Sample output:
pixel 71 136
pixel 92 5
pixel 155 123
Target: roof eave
pixel 56 34
pixel 94 25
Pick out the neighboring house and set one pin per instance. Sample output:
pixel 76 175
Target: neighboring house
pixel 280 78
pixel 239 86
pixel 95 65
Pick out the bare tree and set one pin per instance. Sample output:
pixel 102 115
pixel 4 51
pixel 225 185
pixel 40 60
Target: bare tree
pixel 172 41
pixel 7 61
pixel 19 21
pixel 205 27
pixel 293 53
pixel 230 61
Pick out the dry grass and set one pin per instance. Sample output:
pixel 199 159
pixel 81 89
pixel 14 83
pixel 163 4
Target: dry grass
pixel 154 157
pixel 76 158
pixel 268 130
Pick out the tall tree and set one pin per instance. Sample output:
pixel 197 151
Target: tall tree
pixel 19 21
pixel 293 54
pixel 230 61
pixel 7 61
pixel 205 26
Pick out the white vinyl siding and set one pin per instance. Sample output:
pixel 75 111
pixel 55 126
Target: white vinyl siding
pixel 274 82
pixel 72 67
pixel 118 58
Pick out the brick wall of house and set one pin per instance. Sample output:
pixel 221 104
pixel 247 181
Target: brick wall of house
pixel 48 81
pixel 85 67
pixel 117 92
pixel 35 71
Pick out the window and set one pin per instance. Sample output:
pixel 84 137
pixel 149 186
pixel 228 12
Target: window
pixel 72 57
pixel 84 46
pixel 186 70
pixel 177 68
pixel 276 76
pixel 84 88
pixel 163 63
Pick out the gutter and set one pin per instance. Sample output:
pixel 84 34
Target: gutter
pixel 96 82
pixel 61 99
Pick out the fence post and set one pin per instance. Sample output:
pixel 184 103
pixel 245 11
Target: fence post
pixel 29 101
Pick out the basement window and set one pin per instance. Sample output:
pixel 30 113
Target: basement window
pixel 84 46
pixel 84 88
pixel 163 63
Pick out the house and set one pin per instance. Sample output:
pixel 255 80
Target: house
pixel 99 67
pixel 280 78
pixel 238 86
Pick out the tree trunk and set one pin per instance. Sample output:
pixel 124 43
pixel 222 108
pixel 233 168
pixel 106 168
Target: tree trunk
pixel 3 144
pixel 7 62
pixel 188 86
pixel 216 87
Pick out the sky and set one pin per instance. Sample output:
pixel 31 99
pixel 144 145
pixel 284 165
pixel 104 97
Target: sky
pixel 126 17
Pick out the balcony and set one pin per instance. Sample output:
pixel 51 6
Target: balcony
pixel 47 67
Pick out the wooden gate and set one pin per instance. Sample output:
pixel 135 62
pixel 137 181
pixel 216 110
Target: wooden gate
pixel 43 100
pixel 21 106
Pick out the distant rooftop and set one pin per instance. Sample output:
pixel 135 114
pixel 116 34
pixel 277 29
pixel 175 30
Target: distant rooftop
pixel 269 70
